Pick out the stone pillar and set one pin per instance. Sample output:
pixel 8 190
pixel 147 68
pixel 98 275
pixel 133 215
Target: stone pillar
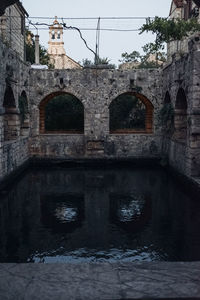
pixel 25 127
pixel 180 124
pixel 11 124
pixel 37 50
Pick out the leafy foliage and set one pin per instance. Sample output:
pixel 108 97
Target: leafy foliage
pixel 30 51
pixel 168 30
pixel 127 112
pixel 64 113
pixel 131 57
pixel 143 61
pixel 98 62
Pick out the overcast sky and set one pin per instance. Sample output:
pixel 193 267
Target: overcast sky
pixel 112 44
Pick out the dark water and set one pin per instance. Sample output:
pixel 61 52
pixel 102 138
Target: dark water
pixel 77 215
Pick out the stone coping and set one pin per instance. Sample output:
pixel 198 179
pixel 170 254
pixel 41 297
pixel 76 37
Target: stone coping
pixel 153 280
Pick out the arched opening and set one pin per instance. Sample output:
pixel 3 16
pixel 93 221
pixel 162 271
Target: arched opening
pixel 166 115
pixel 24 114
pixel 180 118
pixel 61 113
pixel 53 35
pixel 167 99
pixel 11 116
pixel 131 113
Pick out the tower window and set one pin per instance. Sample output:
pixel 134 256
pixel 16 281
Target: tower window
pixel 58 35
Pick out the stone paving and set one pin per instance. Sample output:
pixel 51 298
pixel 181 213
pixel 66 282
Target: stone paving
pixel 155 280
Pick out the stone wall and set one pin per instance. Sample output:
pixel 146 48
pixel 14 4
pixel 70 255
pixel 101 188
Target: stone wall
pixel 15 74
pixel 96 89
pixel 12 29
pixel 184 74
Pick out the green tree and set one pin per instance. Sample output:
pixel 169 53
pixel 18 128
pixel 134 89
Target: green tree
pixel 130 57
pixel 64 113
pixel 127 112
pixel 98 62
pixel 167 30
pixel 30 51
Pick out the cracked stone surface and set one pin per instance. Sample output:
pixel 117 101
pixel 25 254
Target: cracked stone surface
pixel 156 280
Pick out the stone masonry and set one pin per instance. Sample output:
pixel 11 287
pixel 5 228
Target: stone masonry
pixel 96 89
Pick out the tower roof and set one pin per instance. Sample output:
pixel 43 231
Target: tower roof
pixel 56 21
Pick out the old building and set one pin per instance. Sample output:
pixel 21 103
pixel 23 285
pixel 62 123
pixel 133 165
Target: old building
pixel 12 28
pixel 26 94
pixel 56 48
pixel 182 9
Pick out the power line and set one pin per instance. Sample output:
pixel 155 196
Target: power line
pixel 93 18
pixel 83 18
pixel 93 29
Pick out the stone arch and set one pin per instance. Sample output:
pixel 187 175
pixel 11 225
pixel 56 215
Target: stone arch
pixel 148 115
pixel 167 99
pixel 166 115
pixel 9 99
pixel 11 115
pixel 43 106
pixel 24 114
pixel 180 117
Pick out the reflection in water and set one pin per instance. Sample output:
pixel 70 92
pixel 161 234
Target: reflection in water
pixel 62 213
pixel 130 207
pixel 66 214
pixel 77 215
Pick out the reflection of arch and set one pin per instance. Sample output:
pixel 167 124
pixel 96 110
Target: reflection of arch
pixel 24 114
pixel 142 108
pixel 11 117
pixel 136 222
pixel 61 112
pixel 180 120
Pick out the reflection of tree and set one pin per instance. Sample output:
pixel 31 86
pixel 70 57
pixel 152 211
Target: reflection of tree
pixel 127 112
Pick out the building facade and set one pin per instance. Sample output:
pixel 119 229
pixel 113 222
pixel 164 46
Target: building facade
pixel 12 28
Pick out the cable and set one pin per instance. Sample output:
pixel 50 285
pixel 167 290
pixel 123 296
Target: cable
pixel 83 18
pixel 93 18
pixel 94 29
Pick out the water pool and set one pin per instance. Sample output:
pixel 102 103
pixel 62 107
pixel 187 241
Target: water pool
pixel 97 215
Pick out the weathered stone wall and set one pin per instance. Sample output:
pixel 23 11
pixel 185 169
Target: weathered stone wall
pixel 12 29
pixel 184 73
pixel 95 89
pixel 14 73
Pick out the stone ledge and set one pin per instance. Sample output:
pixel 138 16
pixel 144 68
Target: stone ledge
pixel 156 280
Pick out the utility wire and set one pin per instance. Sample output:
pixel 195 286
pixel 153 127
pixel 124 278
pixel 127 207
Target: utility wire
pixel 67 27
pixel 83 29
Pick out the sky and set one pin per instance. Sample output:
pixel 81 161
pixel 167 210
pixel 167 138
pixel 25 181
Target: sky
pixel 112 43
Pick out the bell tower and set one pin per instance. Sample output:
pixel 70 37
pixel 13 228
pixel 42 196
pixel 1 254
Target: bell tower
pixel 56 44
pixel 56 48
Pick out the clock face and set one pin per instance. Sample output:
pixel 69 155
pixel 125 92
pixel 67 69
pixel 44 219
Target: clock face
pixel 197 2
